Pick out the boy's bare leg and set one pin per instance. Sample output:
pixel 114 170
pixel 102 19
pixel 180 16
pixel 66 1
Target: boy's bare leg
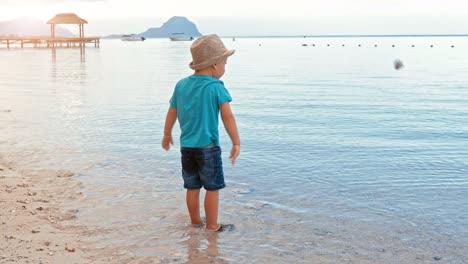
pixel 193 205
pixel 211 209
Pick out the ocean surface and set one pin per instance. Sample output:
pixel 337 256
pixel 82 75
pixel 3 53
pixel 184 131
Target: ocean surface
pixel 344 159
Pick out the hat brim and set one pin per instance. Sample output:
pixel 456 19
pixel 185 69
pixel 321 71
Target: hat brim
pixel 210 62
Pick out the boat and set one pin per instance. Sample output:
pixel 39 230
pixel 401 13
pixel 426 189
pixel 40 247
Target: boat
pixel 180 37
pixel 132 38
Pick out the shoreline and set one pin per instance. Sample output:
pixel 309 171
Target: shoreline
pixel 35 226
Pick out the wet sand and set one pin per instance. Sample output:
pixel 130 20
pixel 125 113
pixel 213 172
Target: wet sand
pixel 34 227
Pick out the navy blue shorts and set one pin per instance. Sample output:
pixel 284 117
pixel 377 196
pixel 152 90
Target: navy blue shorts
pixel 202 167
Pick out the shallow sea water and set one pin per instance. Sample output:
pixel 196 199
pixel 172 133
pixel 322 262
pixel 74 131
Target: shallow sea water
pixel 344 159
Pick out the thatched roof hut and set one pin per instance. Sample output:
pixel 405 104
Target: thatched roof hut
pixel 67 18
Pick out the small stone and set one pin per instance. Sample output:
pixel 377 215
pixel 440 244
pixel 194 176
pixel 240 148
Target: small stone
pixel 69 249
pixel 65 174
pixel 35 231
pixel 437 258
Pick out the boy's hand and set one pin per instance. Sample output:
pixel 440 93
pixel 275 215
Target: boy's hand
pixel 167 142
pixel 235 151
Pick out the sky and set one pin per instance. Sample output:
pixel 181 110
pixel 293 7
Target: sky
pixel 256 17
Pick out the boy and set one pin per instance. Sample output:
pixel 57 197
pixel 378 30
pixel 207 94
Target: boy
pixel 196 103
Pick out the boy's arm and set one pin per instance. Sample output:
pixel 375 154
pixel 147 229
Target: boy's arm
pixel 171 117
pixel 230 124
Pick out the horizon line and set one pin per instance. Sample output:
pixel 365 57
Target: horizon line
pixel 345 36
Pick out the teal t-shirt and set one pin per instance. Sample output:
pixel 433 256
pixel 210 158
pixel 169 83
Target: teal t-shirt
pixel 197 99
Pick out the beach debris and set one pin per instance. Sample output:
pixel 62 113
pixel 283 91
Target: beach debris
pixel 23 185
pixel 397 64
pixel 69 249
pixel 47 243
pixel 35 231
pixel 305 45
pixel 40 208
pixel 437 258
pixel 41 201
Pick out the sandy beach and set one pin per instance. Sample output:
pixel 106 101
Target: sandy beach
pixel 34 227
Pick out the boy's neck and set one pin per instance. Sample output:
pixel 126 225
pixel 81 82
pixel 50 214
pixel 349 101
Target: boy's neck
pixel 206 71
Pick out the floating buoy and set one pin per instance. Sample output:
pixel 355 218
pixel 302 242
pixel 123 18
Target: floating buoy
pixel 393 46
pixel 304 45
pixel 432 46
pixel 397 64
pixel 343 45
pixel 375 45
pixel 359 45
pixel 412 46
pixel 453 46
pixel 328 45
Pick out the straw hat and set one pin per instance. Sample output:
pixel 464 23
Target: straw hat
pixel 208 50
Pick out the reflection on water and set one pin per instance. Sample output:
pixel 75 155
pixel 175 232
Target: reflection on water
pixel 81 48
pixel 202 247
pixel 344 159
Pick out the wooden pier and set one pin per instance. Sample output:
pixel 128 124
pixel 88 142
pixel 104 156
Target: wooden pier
pixel 44 42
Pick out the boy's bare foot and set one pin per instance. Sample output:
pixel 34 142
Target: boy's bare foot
pixel 203 222
pixel 223 228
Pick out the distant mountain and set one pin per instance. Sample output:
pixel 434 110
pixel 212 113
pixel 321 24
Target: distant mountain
pixel 175 26
pixel 29 26
pixel 180 25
